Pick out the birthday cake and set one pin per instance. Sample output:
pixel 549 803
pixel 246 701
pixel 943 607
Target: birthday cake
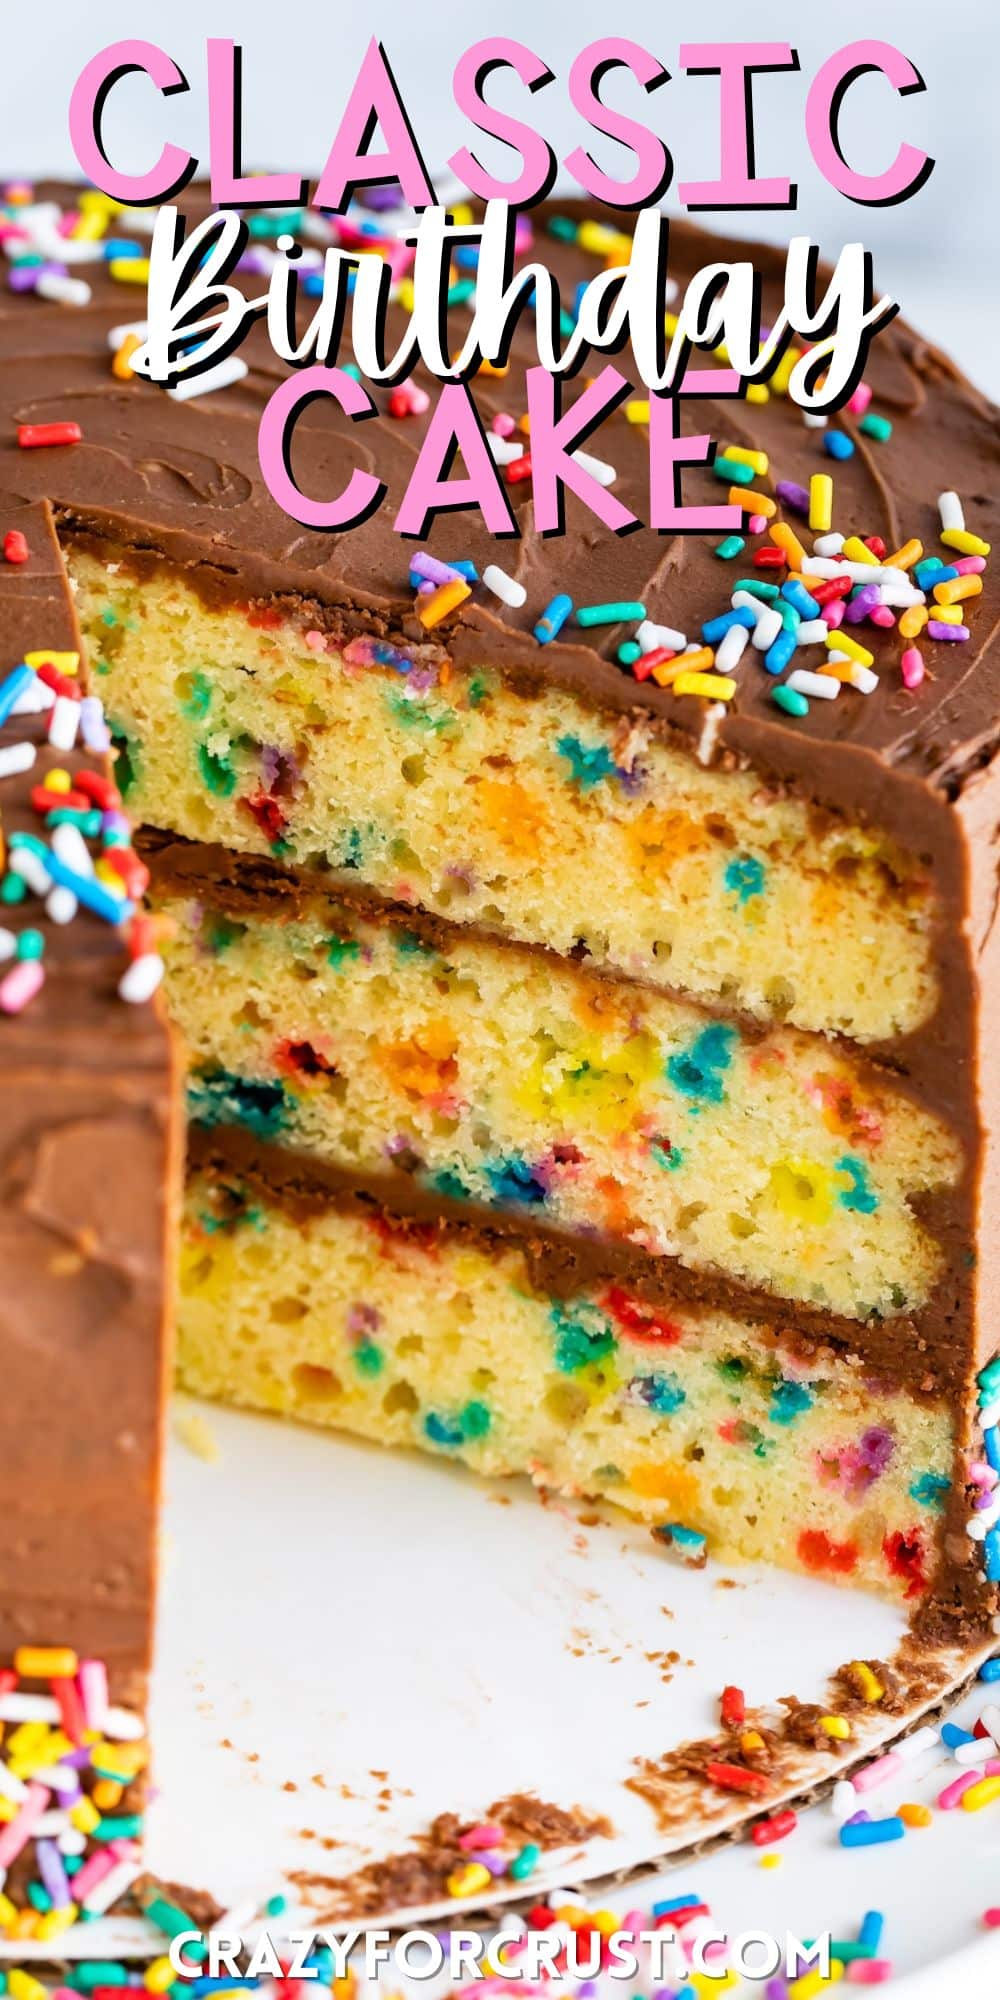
pixel 583 948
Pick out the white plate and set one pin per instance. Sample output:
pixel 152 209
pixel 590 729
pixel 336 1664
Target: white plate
pixel 331 1613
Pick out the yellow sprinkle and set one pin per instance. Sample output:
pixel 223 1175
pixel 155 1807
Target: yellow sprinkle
pixel 637 412
pixel 947 614
pixel 752 1740
pixel 836 1726
pixel 57 780
pixel 107 1794
pixel 854 550
pixel 27 1739
pixel 913 620
pixel 957 588
pixel 786 538
pixel 671 323
pixel 814 1982
pixel 463 214
pixel 111 880
pixel 606 1922
pixel 8 1811
pixel 905 557
pixel 619 252
pixel 91 201
pixel 770 1861
pixel 758 392
pixel 782 374
pixel 466 1881
pixel 53 1922
pixel 820 503
pixel 714 687
pixel 966 544
pixel 8 1911
pixel 841 642
pixel 84 1816
pixel 90 228
pixel 981 1795
pixel 434 607
pixel 597 237
pixel 129 270
pixel 859 1670
pixel 489 368
pixel 758 459
pixel 121 366
pixel 68 664
pixel 405 294
pixel 915 1815
pixel 754 502
pixel 159 1977
pixel 23 1985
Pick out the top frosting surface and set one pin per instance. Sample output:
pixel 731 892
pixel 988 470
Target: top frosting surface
pixel 183 477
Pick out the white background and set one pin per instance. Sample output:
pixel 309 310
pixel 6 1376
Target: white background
pixel 936 254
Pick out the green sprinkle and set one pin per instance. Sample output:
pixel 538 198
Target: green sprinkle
pixel 768 591
pixel 460 294
pixel 474 1420
pixel 733 470
pixel 369 1358
pixel 790 618
pixel 629 652
pixel 990 1377
pixel 876 427
pixel 275 1906
pixel 733 545
pixel 610 614
pixel 97 1972
pixel 172 1920
pixel 525 1862
pixel 339 951
pixel 217 772
pixel 124 1826
pixel 563 227
pixel 88 821
pixel 31 944
pixel 195 695
pixel 792 703
pixel 12 889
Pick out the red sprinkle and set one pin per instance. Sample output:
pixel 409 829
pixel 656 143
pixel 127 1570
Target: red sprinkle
pixel 519 468
pixel 30 436
pixel 674 1919
pixel 769 558
pixel 818 1551
pixel 399 403
pixel 59 683
pixel 733 1706
pixel 71 1712
pixel 45 800
pixel 777 1828
pixel 830 588
pixel 130 870
pixel 643 666
pixel 991 1919
pixel 638 1319
pixel 8 1680
pixel 734 1778
pixel 876 545
pixel 142 936
pixel 100 789
pixel 15 546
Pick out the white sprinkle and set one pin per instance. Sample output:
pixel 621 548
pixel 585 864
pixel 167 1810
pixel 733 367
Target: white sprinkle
pixel 221 376
pixel 767 628
pixel 140 980
pixel 824 686
pixel 122 1725
pixel 505 450
pixel 605 475
pixel 812 632
pixel 813 421
pixel 35 699
pixel 901 594
pixel 649 636
pixel 16 757
pixel 951 511
pixel 72 1841
pixel 828 545
pixel 979 1751
pixel 863 678
pixel 988 1416
pixel 51 1824
pixel 843 1799
pixel 990 1719
pixel 714 717
pixel 503 586
pixel 8 944
pixel 731 649
pixel 119 334
pixel 978 1525
pixel 31 868
pixel 857 571
pixel 93 728
pixel 65 291
pixel 61 906
pixel 914 1746
pixel 64 722
pixel 138 221
pixel 69 844
pixel 11 1787
pixel 744 600
pixel 995 1622
pixel 28 1707
pixel 113 1885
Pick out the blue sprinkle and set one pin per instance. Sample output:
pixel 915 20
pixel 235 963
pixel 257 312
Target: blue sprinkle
pixel 682 1538
pixel 698 1071
pixel 13 687
pixel 860 1197
pixel 872 1833
pixel 990 1670
pixel 553 619
pixel 796 593
pixel 514 1181
pixel 659 1392
pixel 929 1489
pixel 790 1400
pixel 441 1432
pixel 676 1903
pixel 92 894
pixel 744 877
pixel 838 445
pixel 590 764
pixel 931 571
pixel 991 1446
pixel 870 1934
pixel 991 1556
pixel 953 1737
pixel 780 652
pixel 717 628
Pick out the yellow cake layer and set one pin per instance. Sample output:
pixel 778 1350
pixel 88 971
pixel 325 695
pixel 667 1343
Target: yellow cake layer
pixel 534 816
pixel 697 1422
pixel 510 1079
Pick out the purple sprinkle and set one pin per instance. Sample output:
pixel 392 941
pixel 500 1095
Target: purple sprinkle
pixel 952 634
pixel 866 600
pixel 115 822
pixel 23 277
pixel 876 1448
pixel 793 496
pixel 52 1872
pixel 435 571
pixel 362 1319
pixel 858 1819
pixel 497 1864
pixel 776 1989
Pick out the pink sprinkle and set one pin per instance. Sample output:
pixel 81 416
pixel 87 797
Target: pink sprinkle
pixel 991 1919
pixel 952 1793
pixel 419 400
pixel 860 400
pixel 93 1684
pixel 481 1836
pixel 23 981
pixel 881 615
pixel 757 524
pixel 876 1774
pixel 97 1865
pixel 869 1971
pixel 834 613
pixel 18 1832
pixel 503 425
pixel 982 1474
pixel 969 565
pixel 911 666
pixel 315 641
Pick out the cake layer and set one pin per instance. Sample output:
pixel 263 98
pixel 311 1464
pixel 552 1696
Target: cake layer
pixel 702 1424
pixel 507 1078
pixel 536 815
